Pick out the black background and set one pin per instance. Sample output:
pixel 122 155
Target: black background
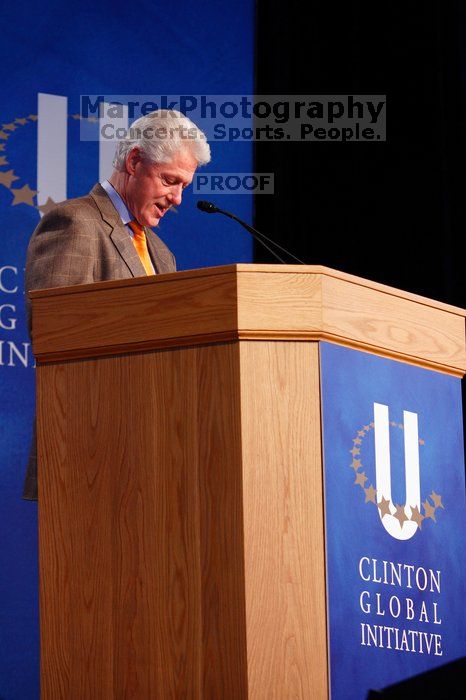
pixel 393 211
pixel 389 211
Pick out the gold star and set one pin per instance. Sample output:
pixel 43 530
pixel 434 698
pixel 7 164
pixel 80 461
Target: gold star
pixel 24 195
pixel 355 464
pixel 7 177
pixel 429 510
pixel 437 499
pixel 2 146
pixel 384 507
pixel 21 121
pixel 10 127
pixel 4 135
pixel 76 116
pixel 401 426
pixel 361 478
pixel 422 442
pixel 92 119
pixel 416 516
pixel 361 433
pixel 371 424
pixel 366 428
pixel 400 515
pixel 355 451
pixel 48 206
pixel 3 160
pixel 357 441
pixel 370 494
pixel 33 117
pixel 392 423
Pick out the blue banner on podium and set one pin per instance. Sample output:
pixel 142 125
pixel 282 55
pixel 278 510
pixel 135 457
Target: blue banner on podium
pixel 395 515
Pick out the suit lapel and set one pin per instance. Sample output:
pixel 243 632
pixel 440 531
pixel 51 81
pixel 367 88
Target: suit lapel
pixel 125 246
pixel 119 235
pixel 161 256
pixel 153 252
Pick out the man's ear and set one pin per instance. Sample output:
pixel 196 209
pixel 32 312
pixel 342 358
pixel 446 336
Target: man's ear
pixel 133 157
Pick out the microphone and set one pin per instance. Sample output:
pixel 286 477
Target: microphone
pixel 210 208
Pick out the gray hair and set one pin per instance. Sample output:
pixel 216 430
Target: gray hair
pixel 161 134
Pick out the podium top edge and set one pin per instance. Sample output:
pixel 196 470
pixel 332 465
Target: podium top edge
pixel 238 268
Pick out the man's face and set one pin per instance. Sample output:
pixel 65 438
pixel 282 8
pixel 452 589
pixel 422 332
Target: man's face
pixel 152 189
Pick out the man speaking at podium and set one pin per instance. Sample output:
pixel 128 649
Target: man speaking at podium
pixel 106 234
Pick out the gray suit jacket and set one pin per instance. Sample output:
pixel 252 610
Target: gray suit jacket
pixel 82 241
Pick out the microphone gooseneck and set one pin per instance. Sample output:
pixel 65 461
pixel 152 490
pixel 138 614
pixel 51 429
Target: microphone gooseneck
pixel 210 208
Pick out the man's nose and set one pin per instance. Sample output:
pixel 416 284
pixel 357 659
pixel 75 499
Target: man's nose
pixel 176 194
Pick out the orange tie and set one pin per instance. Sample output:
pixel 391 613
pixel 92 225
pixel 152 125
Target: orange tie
pixel 140 243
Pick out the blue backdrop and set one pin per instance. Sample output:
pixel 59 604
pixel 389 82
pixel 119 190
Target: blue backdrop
pixel 147 48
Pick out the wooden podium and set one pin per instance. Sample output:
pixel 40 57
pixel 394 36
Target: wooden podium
pixel 180 474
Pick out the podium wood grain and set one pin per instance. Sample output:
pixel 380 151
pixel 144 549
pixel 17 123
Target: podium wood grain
pixel 228 600
pixel 143 528
pixel 248 302
pixel 283 521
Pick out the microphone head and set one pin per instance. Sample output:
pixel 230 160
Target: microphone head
pixel 208 207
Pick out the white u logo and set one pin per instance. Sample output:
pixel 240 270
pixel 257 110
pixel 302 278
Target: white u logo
pixel 52 143
pixel 405 530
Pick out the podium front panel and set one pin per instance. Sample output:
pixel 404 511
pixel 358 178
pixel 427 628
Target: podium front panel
pixel 395 516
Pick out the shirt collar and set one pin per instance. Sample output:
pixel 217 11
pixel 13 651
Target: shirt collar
pixel 118 203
